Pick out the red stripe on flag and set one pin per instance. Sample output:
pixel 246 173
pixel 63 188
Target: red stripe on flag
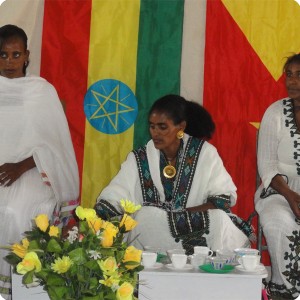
pixel 64 63
pixel 237 90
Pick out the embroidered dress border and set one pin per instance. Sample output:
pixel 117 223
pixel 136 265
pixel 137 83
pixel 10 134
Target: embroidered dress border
pixel 290 122
pixel 184 222
pixel 187 172
pixel 105 209
pixel 149 191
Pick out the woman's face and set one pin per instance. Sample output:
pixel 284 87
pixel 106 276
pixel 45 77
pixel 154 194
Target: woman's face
pixel 13 55
pixel 292 81
pixel 163 131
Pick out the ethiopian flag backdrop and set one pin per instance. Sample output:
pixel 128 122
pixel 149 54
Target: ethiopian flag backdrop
pixel 110 60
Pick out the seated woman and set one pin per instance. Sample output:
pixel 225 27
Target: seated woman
pixel 277 200
pixel 179 180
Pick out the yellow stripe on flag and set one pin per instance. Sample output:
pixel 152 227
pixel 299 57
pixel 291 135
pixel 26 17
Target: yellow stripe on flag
pixel 268 26
pixel 112 55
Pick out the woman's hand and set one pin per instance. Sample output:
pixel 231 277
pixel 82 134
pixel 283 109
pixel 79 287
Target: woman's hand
pixel 293 198
pixel 294 202
pixel 201 208
pixel 10 172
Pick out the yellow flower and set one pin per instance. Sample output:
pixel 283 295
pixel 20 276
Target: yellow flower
pixel 133 255
pixel 30 261
pixel 95 224
pixel 129 206
pixel 54 231
pixel 20 250
pixel 85 213
pixel 125 291
pixel 108 266
pixel 129 222
pixel 62 265
pixel 42 222
pixel 108 235
pixel 110 280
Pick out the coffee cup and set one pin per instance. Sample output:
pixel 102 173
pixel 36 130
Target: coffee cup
pixel 179 260
pixel 249 262
pixel 149 259
pixel 217 263
pixel 198 260
pixel 203 250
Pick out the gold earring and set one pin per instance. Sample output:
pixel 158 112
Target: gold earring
pixel 180 134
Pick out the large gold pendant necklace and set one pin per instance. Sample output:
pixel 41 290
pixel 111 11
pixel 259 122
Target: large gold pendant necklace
pixel 169 171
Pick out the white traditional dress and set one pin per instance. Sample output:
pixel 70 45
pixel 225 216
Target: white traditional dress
pixel 163 221
pixel 279 153
pixel 32 123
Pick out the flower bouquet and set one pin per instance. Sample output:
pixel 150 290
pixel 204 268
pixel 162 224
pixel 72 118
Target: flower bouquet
pixel 91 262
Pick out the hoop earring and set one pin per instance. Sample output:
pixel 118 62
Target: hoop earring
pixel 180 134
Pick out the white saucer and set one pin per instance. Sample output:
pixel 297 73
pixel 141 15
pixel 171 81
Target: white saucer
pixel 258 269
pixel 155 266
pixel 185 268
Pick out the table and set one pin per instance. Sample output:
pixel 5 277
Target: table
pixel 20 292
pixel 165 284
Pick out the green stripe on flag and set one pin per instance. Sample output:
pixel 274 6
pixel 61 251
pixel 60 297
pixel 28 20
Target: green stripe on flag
pixel 159 57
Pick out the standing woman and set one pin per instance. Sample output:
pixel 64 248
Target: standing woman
pixel 38 169
pixel 180 182
pixel 277 200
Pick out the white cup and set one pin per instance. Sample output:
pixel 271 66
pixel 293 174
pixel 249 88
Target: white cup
pixel 249 262
pixel 179 260
pixel 203 250
pixel 149 259
pixel 198 260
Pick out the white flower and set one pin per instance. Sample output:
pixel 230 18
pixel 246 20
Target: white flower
pixel 94 254
pixel 73 234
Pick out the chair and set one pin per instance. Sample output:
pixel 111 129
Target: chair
pixel 261 244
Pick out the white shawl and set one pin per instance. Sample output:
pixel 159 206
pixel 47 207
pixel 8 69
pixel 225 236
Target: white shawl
pixel 33 123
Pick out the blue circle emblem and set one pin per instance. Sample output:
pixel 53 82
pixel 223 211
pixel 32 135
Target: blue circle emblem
pixel 110 106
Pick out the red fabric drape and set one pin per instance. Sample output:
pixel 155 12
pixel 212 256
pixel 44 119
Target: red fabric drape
pixel 65 49
pixel 237 90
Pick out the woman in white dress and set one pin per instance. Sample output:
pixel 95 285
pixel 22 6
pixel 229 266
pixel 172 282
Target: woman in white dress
pixel 277 200
pixel 180 181
pixel 38 169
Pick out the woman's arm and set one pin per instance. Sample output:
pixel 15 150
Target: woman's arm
pixel 10 172
pixel 279 184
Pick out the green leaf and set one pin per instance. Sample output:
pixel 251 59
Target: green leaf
pixel 66 245
pixel 94 282
pixel 92 265
pixel 43 274
pixel 57 293
pixel 28 277
pixel 54 246
pixel 55 279
pixel 12 259
pixel 78 256
pixel 83 227
pixel 33 245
